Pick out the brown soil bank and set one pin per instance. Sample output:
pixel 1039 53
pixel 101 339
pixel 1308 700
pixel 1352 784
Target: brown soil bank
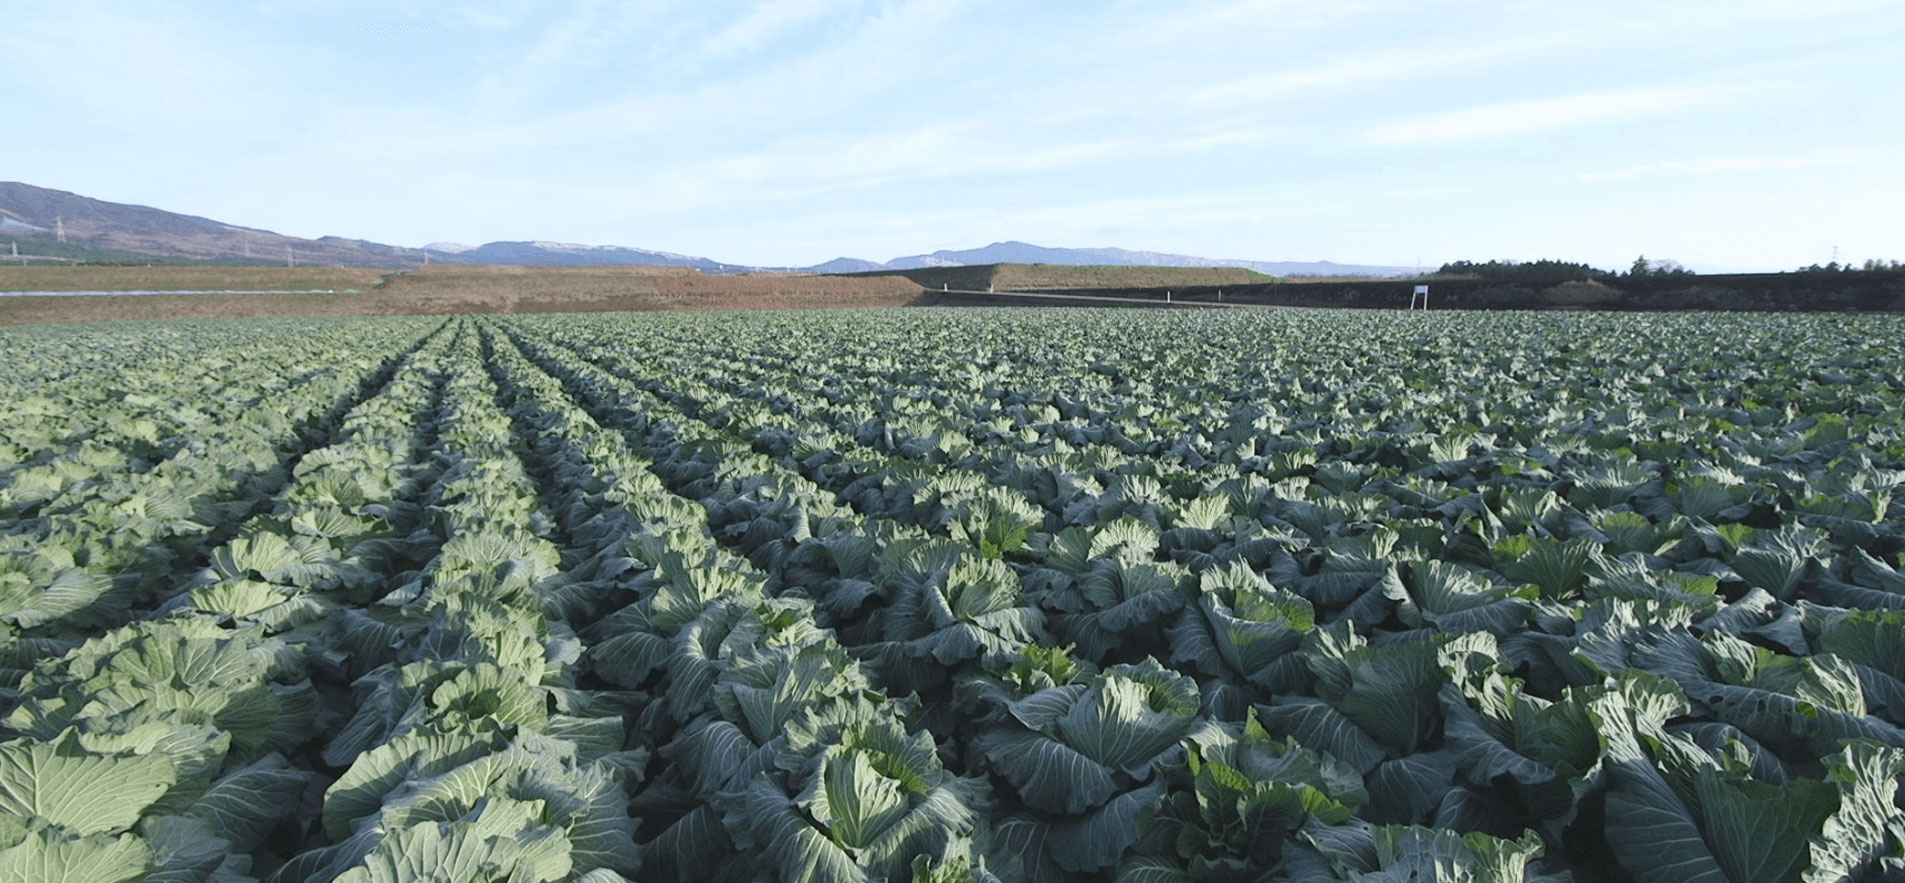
pixel 1044 277
pixel 450 290
pixel 605 289
pixel 1769 292
pixel 188 278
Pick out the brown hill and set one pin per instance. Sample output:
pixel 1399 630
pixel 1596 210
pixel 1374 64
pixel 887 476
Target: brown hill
pixel 138 229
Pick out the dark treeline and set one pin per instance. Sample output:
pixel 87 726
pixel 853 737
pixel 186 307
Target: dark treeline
pixel 1552 272
pixel 1871 266
pixel 1542 272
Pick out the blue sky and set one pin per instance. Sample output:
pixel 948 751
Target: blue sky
pixel 1735 135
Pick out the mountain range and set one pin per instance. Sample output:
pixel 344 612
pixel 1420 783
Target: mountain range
pixel 55 223
pixel 1015 252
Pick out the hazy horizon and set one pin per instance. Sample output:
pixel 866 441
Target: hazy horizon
pixel 1741 136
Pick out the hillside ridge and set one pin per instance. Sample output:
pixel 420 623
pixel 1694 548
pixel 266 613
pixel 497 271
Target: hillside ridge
pixel 57 224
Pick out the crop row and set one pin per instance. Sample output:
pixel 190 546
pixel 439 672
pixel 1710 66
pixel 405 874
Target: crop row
pixel 67 435
pixel 1541 563
pixel 1015 595
pixel 118 539
pixel 170 743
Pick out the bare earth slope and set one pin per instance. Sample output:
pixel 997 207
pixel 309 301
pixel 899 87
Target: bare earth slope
pixel 1040 277
pixel 40 277
pixel 451 290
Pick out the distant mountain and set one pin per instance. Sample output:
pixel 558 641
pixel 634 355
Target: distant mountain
pixel 1026 253
pixel 111 230
pixel 923 261
pixel 567 254
pixel 99 230
pixel 847 265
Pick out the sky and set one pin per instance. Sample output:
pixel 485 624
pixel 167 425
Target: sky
pixel 1734 135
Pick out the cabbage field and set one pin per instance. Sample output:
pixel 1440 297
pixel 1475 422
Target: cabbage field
pixel 954 595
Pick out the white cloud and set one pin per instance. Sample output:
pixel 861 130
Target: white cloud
pixel 1538 115
pixel 768 20
pixel 786 94
pixel 486 17
pixel 569 46
pixel 1402 62
pixel 1230 138
pixel 1712 165
pixel 811 167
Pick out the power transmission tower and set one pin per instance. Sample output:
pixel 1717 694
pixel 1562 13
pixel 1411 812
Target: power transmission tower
pixel 59 229
pixel 289 261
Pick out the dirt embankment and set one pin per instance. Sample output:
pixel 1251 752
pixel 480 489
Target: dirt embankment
pixel 598 289
pixel 1042 277
pixel 1047 277
pixel 457 289
pixel 1769 292
pixel 186 278
pixel 935 278
pixel 451 290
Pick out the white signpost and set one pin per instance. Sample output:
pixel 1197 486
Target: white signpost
pixel 1422 291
